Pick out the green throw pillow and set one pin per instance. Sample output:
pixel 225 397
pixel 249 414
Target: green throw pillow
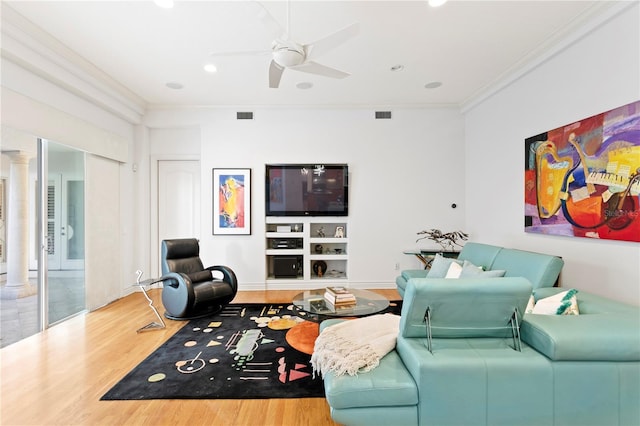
pixel 471 270
pixel 440 266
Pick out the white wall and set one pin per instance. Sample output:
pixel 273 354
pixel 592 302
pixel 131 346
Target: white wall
pixel 404 175
pixel 599 72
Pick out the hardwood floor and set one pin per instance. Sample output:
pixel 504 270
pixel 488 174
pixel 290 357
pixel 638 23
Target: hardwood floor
pixel 57 377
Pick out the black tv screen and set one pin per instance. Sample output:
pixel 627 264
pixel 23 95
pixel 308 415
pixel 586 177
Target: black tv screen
pixel 307 190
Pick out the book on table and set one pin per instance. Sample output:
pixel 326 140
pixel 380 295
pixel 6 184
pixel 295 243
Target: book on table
pixel 339 296
pixel 338 291
pixel 340 306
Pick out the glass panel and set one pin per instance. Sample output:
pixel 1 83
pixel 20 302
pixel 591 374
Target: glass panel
pixel 65 227
pixel 19 299
pixel 41 260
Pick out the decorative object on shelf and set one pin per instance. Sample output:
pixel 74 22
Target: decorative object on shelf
pixel 445 240
pixel 339 232
pixel 583 179
pixel 320 232
pixel 232 201
pixel 318 248
pixel 319 267
pixel 297 227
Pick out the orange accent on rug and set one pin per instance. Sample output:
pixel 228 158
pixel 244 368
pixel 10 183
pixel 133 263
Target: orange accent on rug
pixel 303 336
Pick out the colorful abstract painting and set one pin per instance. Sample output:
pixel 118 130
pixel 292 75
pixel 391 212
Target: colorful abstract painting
pixel 232 201
pixel 583 179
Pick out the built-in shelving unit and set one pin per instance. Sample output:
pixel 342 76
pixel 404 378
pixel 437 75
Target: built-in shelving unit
pixel 306 249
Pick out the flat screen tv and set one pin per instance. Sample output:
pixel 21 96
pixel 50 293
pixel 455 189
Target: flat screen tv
pixel 307 190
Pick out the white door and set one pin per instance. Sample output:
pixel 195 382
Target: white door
pixel 178 199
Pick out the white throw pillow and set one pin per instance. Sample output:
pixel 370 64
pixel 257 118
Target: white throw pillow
pixel 565 303
pixel 454 271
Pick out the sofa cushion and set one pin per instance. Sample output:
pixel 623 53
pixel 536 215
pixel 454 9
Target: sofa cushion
pixel 479 254
pixel 595 337
pixel 541 269
pixel 471 308
pixel 389 384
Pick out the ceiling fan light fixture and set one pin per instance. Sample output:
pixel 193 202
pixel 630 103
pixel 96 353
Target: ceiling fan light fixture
pixel 288 56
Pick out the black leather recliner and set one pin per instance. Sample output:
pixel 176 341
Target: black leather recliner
pixel 191 290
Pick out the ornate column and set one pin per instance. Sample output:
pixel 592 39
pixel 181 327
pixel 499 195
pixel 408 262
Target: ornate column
pixel 18 228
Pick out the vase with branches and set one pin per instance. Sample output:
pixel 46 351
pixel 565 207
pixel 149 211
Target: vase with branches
pixel 445 240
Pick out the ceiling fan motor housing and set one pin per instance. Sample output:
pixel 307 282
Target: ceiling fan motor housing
pixel 288 54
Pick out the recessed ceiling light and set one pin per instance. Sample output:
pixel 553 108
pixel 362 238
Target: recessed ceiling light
pixel 304 85
pixel 174 85
pixel 396 68
pixel 210 68
pixel 165 4
pixel 433 85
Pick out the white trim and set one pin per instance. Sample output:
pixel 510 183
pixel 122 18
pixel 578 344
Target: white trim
pixel 592 19
pixel 31 48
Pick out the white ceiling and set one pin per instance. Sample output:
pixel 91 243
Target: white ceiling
pixel 468 46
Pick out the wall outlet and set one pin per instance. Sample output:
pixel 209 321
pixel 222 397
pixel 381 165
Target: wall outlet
pixel 397 266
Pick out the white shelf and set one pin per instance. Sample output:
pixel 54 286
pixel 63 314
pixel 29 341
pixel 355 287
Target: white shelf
pixel 284 234
pixel 284 252
pixel 327 240
pixel 328 256
pixel 307 238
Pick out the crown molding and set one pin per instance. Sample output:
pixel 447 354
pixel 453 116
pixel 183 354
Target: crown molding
pixel 31 48
pixel 589 21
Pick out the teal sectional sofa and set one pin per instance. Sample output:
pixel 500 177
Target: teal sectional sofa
pixel 542 270
pixel 565 370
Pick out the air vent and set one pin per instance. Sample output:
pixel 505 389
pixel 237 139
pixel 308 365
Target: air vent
pixel 380 115
pixel 244 115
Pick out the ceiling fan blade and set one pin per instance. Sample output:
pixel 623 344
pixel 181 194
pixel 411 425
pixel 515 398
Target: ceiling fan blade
pixel 275 74
pixel 327 43
pixel 270 22
pixel 319 69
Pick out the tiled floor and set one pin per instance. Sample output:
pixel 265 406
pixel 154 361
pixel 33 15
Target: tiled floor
pixel 19 317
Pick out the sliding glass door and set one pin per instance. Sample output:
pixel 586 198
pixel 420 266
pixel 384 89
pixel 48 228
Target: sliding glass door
pixel 61 262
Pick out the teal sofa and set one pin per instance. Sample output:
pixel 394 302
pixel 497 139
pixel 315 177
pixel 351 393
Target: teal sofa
pixel 459 362
pixel 542 270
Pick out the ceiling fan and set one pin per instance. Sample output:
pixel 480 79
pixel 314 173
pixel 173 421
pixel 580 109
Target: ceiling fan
pixel 289 54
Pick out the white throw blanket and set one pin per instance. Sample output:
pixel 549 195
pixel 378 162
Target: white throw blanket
pixel 356 345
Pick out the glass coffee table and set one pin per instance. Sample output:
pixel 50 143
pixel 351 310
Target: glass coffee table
pixel 312 306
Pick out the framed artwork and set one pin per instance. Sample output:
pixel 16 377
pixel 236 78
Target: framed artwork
pixel 583 179
pixel 232 201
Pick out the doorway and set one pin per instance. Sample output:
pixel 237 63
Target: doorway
pixel 178 201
